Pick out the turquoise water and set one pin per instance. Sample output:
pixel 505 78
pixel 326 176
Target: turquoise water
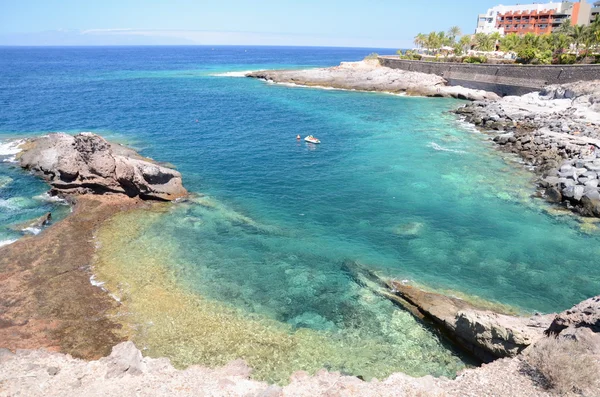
pixel 398 184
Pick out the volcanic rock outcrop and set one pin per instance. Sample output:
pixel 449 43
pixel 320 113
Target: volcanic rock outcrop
pixel 87 163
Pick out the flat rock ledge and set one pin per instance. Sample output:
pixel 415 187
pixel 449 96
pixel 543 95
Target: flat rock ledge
pixel 481 332
pixel 557 131
pixel 369 75
pixel 88 164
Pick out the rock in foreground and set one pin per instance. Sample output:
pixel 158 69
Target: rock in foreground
pixel 87 163
pixel 371 76
pixel 126 373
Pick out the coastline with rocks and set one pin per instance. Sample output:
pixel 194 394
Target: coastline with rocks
pixel 557 131
pixel 553 130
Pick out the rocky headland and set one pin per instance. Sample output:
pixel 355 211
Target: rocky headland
pixel 556 130
pixel 369 75
pixel 88 164
pixel 46 297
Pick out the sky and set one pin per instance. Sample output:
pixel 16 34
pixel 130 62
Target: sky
pixel 344 23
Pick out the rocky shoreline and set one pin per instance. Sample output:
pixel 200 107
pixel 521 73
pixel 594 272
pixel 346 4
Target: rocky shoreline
pixel 557 131
pixel 48 301
pixel 369 75
pixel 46 297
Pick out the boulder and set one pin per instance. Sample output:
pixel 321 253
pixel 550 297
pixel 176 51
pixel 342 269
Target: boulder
pixel 87 163
pixel 583 315
pixel 125 359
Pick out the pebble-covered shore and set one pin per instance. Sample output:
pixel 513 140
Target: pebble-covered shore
pixel 557 131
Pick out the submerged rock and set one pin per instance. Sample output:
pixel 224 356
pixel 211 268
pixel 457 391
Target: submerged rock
pixel 87 163
pixel 409 230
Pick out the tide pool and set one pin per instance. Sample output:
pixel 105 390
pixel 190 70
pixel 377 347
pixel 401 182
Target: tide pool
pixel 398 184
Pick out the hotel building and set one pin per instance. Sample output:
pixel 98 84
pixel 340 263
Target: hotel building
pixel 536 18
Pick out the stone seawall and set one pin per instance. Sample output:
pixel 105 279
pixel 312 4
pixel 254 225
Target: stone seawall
pixel 501 79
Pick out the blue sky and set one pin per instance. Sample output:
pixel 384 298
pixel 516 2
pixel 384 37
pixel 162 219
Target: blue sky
pixel 354 23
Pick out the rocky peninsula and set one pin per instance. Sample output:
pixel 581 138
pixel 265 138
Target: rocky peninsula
pixel 369 75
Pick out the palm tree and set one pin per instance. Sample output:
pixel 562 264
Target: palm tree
pixel 496 36
pixel 510 42
pixel 485 42
pixel 559 42
pixel 465 43
pixel 565 27
pixel 454 32
pixel 419 40
pixel 432 42
pixel 578 35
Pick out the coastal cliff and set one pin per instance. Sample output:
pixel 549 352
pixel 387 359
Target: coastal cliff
pixel 371 76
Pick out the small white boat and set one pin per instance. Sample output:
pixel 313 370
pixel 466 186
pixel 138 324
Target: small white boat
pixel 311 139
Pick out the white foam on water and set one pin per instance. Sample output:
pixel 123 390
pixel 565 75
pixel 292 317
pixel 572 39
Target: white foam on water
pixel 32 230
pixel 233 74
pixel 7 242
pixel 319 87
pixel 7 205
pixel 10 149
pixel 51 199
pixel 95 282
pixel 440 148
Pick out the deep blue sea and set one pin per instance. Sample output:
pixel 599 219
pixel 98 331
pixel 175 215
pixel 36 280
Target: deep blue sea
pixel 397 184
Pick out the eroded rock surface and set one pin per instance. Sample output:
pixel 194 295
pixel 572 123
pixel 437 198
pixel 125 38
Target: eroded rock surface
pixel 371 76
pixel 87 163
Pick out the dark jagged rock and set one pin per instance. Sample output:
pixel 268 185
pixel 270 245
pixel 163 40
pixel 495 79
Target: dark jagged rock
pixel 87 163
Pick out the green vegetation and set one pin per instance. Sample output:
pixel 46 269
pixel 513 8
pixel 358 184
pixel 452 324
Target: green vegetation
pixel 372 55
pixel 567 45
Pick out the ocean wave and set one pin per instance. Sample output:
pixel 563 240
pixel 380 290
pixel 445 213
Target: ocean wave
pixel 7 242
pixel 10 149
pixel 440 148
pixel 233 74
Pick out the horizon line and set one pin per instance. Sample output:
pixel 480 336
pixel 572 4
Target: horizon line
pixel 183 45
